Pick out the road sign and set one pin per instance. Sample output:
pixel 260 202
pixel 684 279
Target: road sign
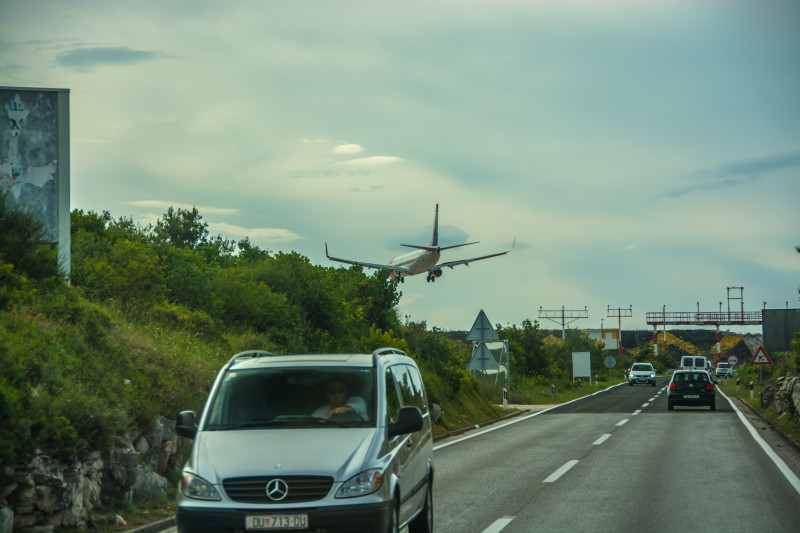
pixel 610 362
pixel 482 359
pixel 482 329
pixel 761 358
pixel 732 360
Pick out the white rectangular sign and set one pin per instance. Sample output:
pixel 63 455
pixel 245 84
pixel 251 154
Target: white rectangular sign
pixel 581 365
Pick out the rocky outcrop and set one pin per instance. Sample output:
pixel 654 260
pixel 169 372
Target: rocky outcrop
pixel 783 395
pixel 47 493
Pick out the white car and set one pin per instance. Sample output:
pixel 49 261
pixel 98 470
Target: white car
pixel 642 373
pixel 724 370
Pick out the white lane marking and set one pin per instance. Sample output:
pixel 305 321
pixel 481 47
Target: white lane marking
pixel 552 478
pixel 636 412
pixel 521 419
pixel 790 476
pixel 499 525
pixel 645 405
pixel 653 398
pixel 623 422
pixel 601 440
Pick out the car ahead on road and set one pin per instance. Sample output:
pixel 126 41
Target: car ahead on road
pixel 691 388
pixel 321 442
pixel 642 373
pixel 695 362
pixel 723 370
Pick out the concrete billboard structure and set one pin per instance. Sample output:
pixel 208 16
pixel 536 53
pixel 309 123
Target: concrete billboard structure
pixel 779 327
pixel 34 158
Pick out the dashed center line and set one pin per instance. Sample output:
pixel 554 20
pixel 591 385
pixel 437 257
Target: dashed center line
pixel 499 525
pixel 645 405
pixel 602 439
pixel 623 422
pixel 636 412
pixel 552 478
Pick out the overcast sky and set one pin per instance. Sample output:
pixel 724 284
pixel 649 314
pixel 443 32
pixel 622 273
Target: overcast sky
pixel 643 154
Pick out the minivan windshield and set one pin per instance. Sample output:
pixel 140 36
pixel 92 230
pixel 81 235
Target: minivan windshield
pixel 294 397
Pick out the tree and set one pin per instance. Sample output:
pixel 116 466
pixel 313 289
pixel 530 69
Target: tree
pixel 182 228
pixel 22 237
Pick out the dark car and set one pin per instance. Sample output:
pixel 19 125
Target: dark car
pixel 691 387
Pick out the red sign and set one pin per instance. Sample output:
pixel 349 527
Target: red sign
pixel 761 358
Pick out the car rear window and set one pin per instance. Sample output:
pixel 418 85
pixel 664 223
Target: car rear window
pixel 691 376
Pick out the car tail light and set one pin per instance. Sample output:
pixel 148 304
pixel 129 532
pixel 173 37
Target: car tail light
pixel 672 386
pixel 709 386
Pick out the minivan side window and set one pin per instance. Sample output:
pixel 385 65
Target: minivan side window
pixel 408 395
pixel 392 397
pixel 419 388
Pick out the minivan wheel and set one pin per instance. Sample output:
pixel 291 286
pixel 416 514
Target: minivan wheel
pixel 394 518
pixel 423 523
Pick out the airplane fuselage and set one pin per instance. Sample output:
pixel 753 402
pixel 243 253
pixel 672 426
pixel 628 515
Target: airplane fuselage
pixel 416 262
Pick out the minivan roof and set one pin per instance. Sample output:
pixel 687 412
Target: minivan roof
pixel 261 359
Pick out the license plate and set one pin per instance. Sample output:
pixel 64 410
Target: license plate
pixel 276 521
pixel 692 396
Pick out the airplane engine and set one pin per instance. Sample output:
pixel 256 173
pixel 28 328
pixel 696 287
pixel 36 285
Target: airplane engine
pixel 433 274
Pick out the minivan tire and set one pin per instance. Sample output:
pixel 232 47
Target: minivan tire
pixel 394 517
pixel 423 523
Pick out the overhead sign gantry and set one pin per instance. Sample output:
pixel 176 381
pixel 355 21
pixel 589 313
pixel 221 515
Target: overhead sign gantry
pixel 706 318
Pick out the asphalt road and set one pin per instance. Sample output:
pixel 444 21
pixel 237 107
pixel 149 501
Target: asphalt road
pixel 615 461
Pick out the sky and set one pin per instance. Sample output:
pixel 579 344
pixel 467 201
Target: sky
pixel 644 155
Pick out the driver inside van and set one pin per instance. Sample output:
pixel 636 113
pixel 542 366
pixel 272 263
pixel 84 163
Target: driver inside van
pixel 339 401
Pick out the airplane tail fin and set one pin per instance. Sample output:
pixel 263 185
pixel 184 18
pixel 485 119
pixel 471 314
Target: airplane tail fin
pixel 435 236
pixel 433 246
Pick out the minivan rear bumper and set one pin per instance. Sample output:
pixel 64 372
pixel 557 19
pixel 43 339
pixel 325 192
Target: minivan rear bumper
pixel 346 518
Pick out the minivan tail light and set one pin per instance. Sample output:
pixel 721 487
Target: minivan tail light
pixel 709 386
pixel 672 386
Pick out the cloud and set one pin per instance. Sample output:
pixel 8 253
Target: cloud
pixel 348 149
pixel 257 235
pixel 373 161
pixel 730 175
pixel 203 210
pixel 87 58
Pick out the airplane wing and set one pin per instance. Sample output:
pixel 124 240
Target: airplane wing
pixel 377 266
pixel 452 264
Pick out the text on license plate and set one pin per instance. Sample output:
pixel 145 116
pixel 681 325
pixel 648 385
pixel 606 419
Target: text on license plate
pixel 692 396
pixel 276 521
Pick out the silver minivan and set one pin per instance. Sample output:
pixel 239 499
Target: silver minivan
pixel 311 442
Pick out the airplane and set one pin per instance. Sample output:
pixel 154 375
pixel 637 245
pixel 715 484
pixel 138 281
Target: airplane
pixel 423 259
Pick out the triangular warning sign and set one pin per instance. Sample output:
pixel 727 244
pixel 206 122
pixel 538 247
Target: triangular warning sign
pixel 482 329
pixel 761 358
pixel 482 359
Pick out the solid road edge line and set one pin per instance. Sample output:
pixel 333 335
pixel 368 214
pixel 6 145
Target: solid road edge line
pixel 793 480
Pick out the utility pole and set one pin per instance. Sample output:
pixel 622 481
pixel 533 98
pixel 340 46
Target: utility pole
pixel 620 312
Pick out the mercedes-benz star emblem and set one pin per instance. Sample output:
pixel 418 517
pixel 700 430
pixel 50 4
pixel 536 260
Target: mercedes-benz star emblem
pixel 277 489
